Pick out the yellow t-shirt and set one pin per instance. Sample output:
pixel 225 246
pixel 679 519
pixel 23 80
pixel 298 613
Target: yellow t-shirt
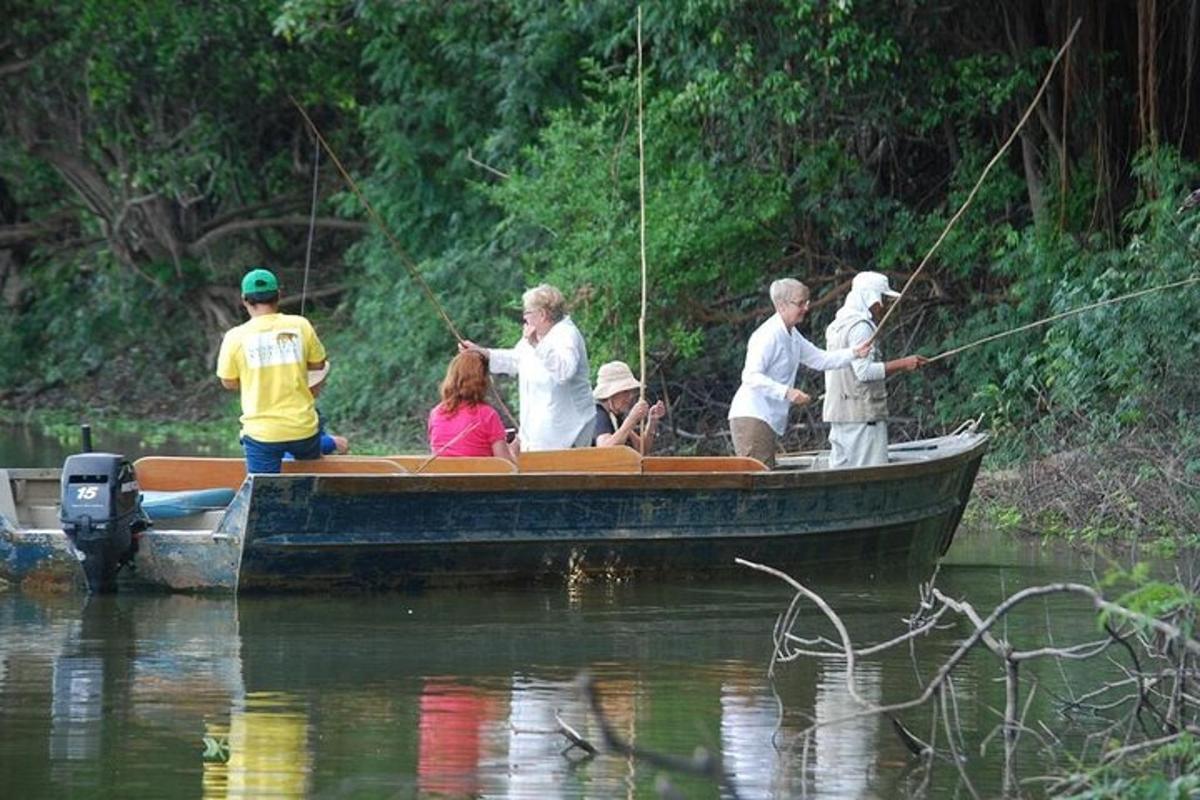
pixel 269 355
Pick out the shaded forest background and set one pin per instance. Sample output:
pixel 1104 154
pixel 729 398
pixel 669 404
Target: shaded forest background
pixel 150 153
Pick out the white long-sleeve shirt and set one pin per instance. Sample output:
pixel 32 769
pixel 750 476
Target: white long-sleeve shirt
pixel 773 356
pixel 553 380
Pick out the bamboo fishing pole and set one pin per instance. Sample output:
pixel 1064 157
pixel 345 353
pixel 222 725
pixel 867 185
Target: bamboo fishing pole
pixel 642 233
pixel 1063 315
pixel 987 169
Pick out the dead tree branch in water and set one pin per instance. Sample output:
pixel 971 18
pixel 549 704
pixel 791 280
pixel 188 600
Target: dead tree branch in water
pixel 1163 661
pixel 702 763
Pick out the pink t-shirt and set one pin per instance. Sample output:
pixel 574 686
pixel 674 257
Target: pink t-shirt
pixel 478 441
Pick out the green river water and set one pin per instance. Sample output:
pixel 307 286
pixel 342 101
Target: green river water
pixel 458 693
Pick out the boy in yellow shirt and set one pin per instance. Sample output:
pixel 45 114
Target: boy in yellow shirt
pixel 267 359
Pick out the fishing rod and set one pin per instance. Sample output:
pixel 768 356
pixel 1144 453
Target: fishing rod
pixel 421 467
pixel 1064 315
pixel 642 231
pixel 405 259
pixel 963 208
pixel 1189 202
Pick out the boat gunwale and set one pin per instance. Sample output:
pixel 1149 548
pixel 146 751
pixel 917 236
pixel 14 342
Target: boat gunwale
pixel 351 483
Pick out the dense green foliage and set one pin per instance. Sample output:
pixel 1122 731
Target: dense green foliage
pixel 150 152
pixel 149 158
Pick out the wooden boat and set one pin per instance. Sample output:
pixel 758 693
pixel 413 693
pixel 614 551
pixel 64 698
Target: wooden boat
pixel 370 523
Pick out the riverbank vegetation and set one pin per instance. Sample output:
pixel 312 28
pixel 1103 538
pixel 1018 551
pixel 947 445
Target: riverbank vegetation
pixel 148 158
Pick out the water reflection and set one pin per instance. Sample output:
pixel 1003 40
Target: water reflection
pixel 457 721
pixel 30 446
pixel 76 708
pixel 268 748
pixel 448 694
pixel 846 751
pixel 748 710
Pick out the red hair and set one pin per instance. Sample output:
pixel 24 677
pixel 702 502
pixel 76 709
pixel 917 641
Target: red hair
pixel 466 381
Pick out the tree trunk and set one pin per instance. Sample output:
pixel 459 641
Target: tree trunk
pixel 1147 80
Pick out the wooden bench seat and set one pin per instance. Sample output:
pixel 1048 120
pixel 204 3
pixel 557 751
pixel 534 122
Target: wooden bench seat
pixel 344 465
pixel 180 473
pixel 623 460
pixel 702 464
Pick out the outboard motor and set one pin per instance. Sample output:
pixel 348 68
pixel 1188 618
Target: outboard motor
pixel 101 513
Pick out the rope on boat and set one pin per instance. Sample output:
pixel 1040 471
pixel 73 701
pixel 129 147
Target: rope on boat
pixel 963 208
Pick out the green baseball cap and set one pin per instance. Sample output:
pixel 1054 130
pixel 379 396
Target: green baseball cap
pixel 259 281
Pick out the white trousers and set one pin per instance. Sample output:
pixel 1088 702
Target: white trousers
pixel 858 444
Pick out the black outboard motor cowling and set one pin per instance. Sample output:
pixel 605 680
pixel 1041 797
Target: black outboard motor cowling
pixel 101 513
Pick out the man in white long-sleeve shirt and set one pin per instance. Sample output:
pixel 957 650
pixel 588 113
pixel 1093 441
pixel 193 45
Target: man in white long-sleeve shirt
pixel 856 395
pixel 553 378
pixel 758 415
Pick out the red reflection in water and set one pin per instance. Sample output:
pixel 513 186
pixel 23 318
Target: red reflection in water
pixel 452 719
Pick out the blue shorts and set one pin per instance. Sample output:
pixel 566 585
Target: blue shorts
pixel 267 457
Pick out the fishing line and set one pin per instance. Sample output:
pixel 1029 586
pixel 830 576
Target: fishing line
pixel 312 222
pixel 1063 315
pixel 405 259
pixel 963 208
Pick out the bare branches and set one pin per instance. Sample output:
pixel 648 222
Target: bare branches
pixel 1163 653
pixel 702 763
pixel 293 220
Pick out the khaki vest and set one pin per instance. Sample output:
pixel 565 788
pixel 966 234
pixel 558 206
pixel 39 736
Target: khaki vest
pixel 847 399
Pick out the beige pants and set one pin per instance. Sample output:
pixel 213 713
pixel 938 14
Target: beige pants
pixel 754 438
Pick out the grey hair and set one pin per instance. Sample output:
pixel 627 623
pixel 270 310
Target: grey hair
pixel 547 298
pixel 786 289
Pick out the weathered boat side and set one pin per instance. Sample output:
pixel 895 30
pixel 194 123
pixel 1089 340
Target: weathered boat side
pixel 380 532
pixel 193 560
pixel 37 556
pixel 338 529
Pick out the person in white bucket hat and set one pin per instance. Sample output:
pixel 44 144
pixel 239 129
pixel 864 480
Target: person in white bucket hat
pixel 856 395
pixel 619 410
pixel 758 415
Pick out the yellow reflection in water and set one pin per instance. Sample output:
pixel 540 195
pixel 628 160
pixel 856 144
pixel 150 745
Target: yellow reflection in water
pixel 268 751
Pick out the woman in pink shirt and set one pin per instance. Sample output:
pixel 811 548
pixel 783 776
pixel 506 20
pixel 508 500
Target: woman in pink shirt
pixel 463 424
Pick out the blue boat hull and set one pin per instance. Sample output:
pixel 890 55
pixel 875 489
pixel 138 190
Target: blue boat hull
pixel 379 532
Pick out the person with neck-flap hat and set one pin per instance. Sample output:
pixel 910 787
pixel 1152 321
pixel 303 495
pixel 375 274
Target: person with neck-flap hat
pixel 856 395
pixel 267 360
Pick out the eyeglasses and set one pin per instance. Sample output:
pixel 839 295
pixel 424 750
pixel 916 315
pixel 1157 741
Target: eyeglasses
pixel 800 303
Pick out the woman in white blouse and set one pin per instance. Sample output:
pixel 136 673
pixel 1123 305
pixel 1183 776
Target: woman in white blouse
pixel 550 362
pixel 758 414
